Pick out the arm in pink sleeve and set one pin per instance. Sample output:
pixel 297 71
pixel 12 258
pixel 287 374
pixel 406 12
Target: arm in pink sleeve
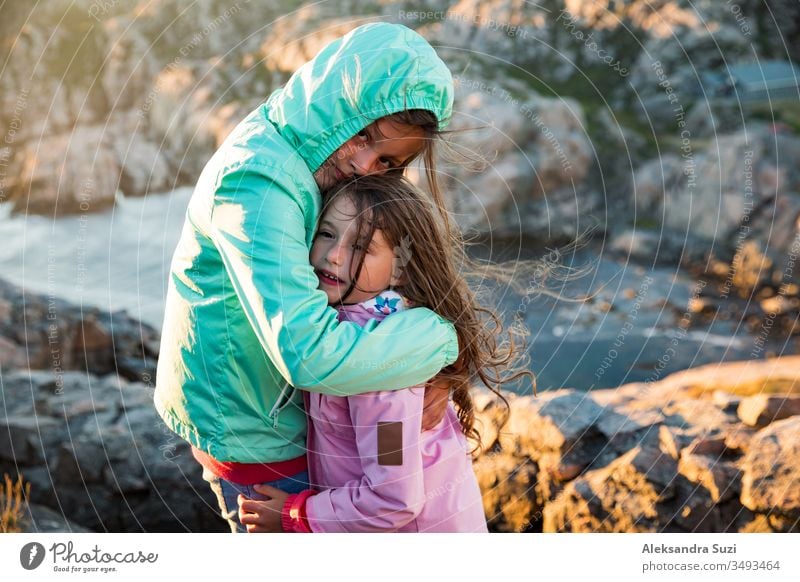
pixel 389 495
pixel 293 513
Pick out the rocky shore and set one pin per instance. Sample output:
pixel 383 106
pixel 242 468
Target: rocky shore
pixel 78 422
pixel 710 449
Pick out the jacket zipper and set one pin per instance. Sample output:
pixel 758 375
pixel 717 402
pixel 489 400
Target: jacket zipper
pixel 287 391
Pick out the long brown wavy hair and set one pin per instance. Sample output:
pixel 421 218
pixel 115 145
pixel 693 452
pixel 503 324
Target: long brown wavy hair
pixel 434 269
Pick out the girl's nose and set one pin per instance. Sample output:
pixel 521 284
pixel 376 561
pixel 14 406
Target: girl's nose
pixel 364 162
pixel 336 254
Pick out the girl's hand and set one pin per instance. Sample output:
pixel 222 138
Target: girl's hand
pixel 262 516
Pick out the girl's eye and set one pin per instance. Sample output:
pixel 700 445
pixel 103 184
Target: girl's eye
pixel 363 134
pixel 362 246
pixel 385 163
pixel 324 234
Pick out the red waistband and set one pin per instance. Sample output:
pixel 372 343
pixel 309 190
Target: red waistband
pixel 250 473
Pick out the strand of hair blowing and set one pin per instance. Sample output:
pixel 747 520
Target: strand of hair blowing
pixel 482 358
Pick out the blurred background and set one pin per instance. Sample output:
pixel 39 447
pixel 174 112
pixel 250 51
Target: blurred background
pixel 661 134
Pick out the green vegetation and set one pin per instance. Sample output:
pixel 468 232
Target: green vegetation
pixel 787 112
pixel 647 223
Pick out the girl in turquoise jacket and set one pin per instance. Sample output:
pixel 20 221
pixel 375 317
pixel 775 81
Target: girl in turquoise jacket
pixel 245 326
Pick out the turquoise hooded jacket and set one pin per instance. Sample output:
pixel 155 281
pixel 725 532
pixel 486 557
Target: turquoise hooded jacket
pixel 245 325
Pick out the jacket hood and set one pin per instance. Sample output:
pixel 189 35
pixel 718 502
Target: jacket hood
pixel 375 70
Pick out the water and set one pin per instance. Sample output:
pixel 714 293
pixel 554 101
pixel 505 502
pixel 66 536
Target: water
pixel 115 260
pixel 635 329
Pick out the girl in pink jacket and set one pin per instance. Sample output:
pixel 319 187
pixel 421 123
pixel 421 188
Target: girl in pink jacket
pixel 371 466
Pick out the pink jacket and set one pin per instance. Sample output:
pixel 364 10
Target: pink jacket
pixel 373 466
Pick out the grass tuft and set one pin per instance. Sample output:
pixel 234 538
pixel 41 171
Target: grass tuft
pixel 13 500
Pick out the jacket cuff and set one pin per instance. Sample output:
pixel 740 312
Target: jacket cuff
pixel 293 513
pixel 451 350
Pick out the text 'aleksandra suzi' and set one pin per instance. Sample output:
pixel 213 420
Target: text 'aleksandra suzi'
pixel 691 549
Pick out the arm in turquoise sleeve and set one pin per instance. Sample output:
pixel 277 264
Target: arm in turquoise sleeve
pixel 259 227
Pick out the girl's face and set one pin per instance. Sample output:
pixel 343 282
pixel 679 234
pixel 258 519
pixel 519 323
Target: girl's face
pixel 335 254
pixel 381 146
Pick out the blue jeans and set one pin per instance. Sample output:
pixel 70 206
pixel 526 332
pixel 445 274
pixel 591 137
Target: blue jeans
pixel 227 492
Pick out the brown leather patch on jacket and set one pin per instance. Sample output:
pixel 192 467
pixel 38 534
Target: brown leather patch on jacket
pixel 390 443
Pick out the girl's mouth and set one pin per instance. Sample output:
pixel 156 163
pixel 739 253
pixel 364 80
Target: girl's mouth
pixel 338 174
pixel 329 279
